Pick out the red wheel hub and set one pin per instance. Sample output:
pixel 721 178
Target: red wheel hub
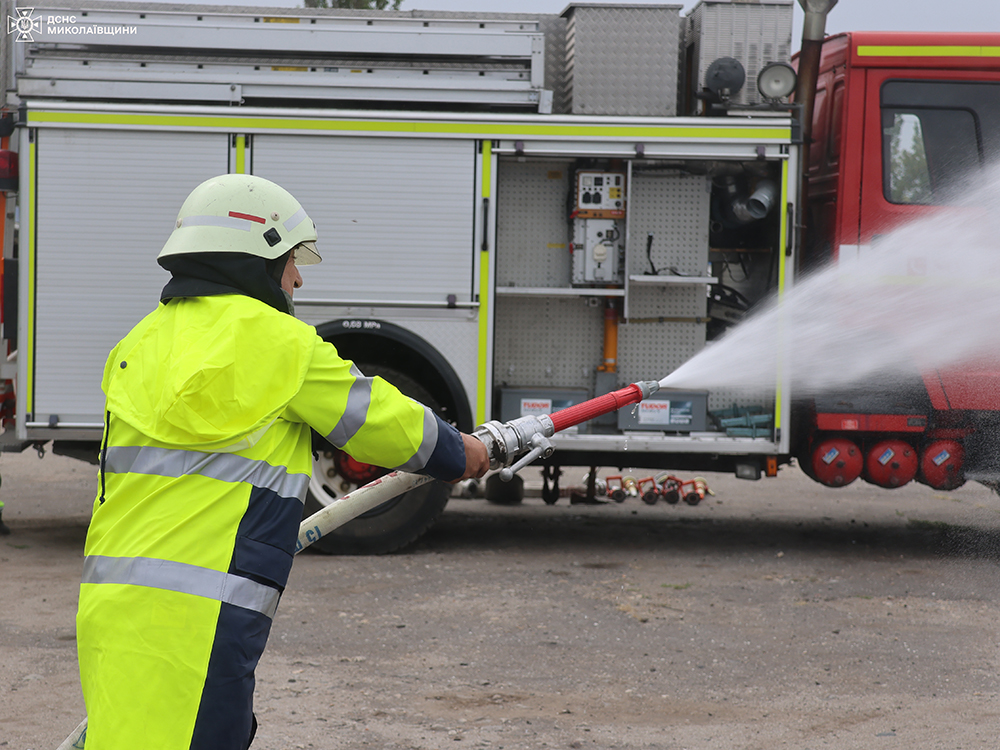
pixel 355 471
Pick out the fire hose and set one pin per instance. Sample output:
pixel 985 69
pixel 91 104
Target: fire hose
pixel 511 446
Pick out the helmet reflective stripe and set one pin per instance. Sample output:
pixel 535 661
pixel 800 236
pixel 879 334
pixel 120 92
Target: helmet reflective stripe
pixel 295 220
pixel 228 222
pixel 270 222
pixel 248 217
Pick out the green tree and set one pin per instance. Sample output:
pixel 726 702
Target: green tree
pixel 355 4
pixel 909 176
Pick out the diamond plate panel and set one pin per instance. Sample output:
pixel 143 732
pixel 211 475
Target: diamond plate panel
pixel 554 29
pixel 753 33
pixel 622 60
pixel 547 342
pixel 532 228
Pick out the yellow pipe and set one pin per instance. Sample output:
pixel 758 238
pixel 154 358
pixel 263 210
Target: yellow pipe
pixel 610 338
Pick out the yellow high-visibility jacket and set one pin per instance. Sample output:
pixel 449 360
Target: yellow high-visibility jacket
pixel 205 467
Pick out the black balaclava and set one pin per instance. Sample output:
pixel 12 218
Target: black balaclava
pixel 211 274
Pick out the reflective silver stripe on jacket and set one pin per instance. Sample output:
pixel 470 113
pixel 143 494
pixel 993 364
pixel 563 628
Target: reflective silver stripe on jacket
pixel 226 467
pixel 427 445
pixel 182 578
pixel 356 411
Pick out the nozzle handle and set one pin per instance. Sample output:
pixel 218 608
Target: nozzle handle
pixel 507 473
pixel 540 446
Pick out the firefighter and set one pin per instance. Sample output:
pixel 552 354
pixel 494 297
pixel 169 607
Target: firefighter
pixel 204 468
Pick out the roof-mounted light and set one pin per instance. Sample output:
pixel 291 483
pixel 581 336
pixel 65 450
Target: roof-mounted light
pixel 776 81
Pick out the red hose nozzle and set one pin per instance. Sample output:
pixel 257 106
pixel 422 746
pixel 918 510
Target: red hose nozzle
pixel 609 402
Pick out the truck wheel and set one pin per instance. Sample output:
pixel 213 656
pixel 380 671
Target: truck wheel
pixel 395 523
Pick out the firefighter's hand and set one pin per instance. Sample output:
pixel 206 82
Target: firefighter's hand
pixel 477 460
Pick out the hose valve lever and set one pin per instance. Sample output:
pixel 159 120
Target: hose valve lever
pixel 541 446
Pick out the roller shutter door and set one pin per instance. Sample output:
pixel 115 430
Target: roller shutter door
pixel 395 216
pixel 106 203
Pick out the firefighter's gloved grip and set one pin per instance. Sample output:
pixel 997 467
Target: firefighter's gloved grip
pixel 477 458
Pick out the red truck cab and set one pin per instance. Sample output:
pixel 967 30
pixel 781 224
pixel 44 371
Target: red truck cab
pixel 902 123
pixel 931 99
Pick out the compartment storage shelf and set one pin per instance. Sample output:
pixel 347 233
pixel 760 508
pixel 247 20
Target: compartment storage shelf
pixel 668 280
pixel 557 291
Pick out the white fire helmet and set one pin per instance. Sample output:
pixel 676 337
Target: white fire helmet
pixel 241 213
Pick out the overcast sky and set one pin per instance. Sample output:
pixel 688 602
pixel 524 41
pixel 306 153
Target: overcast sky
pixel 848 15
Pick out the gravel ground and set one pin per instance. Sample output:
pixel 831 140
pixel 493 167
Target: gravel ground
pixel 775 614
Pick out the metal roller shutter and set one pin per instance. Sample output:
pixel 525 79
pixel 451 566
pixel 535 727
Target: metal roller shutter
pixel 107 201
pixel 395 216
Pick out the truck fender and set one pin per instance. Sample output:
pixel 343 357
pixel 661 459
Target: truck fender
pixel 377 342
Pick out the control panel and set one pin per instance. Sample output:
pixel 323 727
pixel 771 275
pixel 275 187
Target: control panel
pixel 600 195
pixel 599 228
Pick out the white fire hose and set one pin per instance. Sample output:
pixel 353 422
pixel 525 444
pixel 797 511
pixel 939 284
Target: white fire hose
pixel 511 446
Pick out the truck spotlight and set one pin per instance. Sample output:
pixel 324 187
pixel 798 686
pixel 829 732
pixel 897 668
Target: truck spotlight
pixel 725 77
pixel 776 80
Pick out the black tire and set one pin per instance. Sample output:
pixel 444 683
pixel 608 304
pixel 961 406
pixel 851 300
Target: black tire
pixel 392 525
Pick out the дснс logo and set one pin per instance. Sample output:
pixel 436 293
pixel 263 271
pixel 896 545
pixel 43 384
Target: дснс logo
pixel 24 24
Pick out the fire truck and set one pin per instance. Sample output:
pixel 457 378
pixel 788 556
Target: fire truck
pixel 518 212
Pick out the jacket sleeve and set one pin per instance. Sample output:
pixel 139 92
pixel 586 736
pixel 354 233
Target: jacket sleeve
pixel 372 421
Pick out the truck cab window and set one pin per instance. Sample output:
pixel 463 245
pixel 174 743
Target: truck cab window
pixel 928 155
pixel 936 137
pixel 909 180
